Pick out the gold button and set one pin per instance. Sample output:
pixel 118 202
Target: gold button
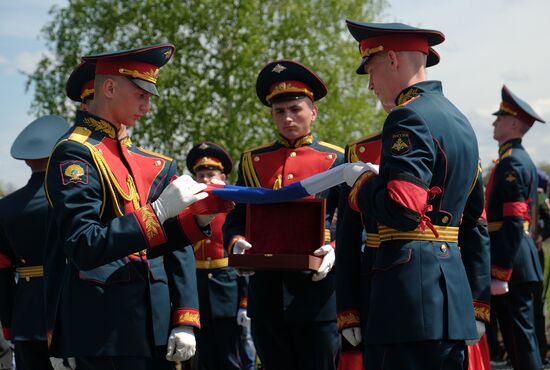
pixel 23 260
pixel 210 275
pixel 256 159
pixel 208 258
pixel 157 163
pixel 100 151
pixel 443 248
pixel 27 278
pixel 293 154
pixel 362 149
pixel 329 156
pixel 445 219
pixel 290 176
pixel 208 241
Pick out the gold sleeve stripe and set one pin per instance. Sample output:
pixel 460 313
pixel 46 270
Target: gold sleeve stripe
pixel 332 146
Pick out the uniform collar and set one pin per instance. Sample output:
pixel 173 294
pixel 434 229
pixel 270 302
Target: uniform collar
pixel 304 140
pixel 513 143
pixel 416 89
pixel 96 124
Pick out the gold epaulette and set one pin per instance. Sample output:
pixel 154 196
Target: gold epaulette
pixel 331 146
pixel 165 157
pixel 80 134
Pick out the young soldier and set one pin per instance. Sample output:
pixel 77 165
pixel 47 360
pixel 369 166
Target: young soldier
pixel 515 267
pixel 222 294
pixel 293 313
pixel 114 211
pixel 420 310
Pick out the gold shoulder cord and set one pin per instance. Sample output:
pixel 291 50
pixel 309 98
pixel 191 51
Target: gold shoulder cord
pixel 112 183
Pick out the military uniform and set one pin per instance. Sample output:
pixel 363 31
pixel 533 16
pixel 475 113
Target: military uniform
pixel 429 161
pixel 511 194
pixel 221 291
pixel 293 317
pixel 108 256
pixel 23 216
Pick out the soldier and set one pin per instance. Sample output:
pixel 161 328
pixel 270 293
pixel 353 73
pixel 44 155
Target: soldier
pixel 23 217
pixel 115 216
pixel 420 309
pixel 293 313
pixel 515 267
pixel 222 294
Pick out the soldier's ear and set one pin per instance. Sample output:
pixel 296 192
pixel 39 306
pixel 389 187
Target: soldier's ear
pixel 108 87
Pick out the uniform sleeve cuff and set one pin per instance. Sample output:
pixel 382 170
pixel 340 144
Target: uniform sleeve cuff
pixel 7 333
pixel 186 316
pixel 500 273
pixel 482 311
pixel 348 319
pixel 353 198
pixel 150 226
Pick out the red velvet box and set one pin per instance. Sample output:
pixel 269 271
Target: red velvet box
pixel 283 236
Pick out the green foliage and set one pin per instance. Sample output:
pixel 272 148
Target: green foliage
pixel 208 88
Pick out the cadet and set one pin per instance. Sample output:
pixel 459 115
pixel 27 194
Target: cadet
pixel 515 267
pixel 222 294
pixel 114 211
pixel 293 313
pixel 23 217
pixel 420 310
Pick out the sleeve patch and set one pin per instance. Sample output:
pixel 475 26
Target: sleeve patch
pixel 74 172
pixel 510 177
pixel 401 142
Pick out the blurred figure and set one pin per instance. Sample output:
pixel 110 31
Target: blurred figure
pixel 515 267
pixel 23 216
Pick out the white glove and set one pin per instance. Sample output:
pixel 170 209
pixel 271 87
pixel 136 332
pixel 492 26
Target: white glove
pixel 240 247
pixel 499 287
pixel 356 169
pixel 178 195
pixel 242 318
pixel 480 327
pixel 326 265
pixel 353 335
pixel 181 344
pixel 58 364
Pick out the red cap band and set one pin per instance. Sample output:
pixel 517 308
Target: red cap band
pixel 128 68
pixel 287 87
pixel 399 42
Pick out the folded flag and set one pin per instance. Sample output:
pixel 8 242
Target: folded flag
pixel 310 186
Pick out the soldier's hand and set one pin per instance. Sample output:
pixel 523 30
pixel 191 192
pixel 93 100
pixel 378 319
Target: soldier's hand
pixel 353 335
pixel 240 247
pixel 480 327
pixel 204 220
pixel 356 169
pixel 181 344
pixel 242 318
pixel 178 195
pixel 499 287
pixel 328 261
pixel 63 364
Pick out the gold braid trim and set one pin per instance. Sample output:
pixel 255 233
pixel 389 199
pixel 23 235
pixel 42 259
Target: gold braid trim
pixel 152 227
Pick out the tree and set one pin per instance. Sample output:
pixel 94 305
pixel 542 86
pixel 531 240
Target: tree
pixel 208 89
